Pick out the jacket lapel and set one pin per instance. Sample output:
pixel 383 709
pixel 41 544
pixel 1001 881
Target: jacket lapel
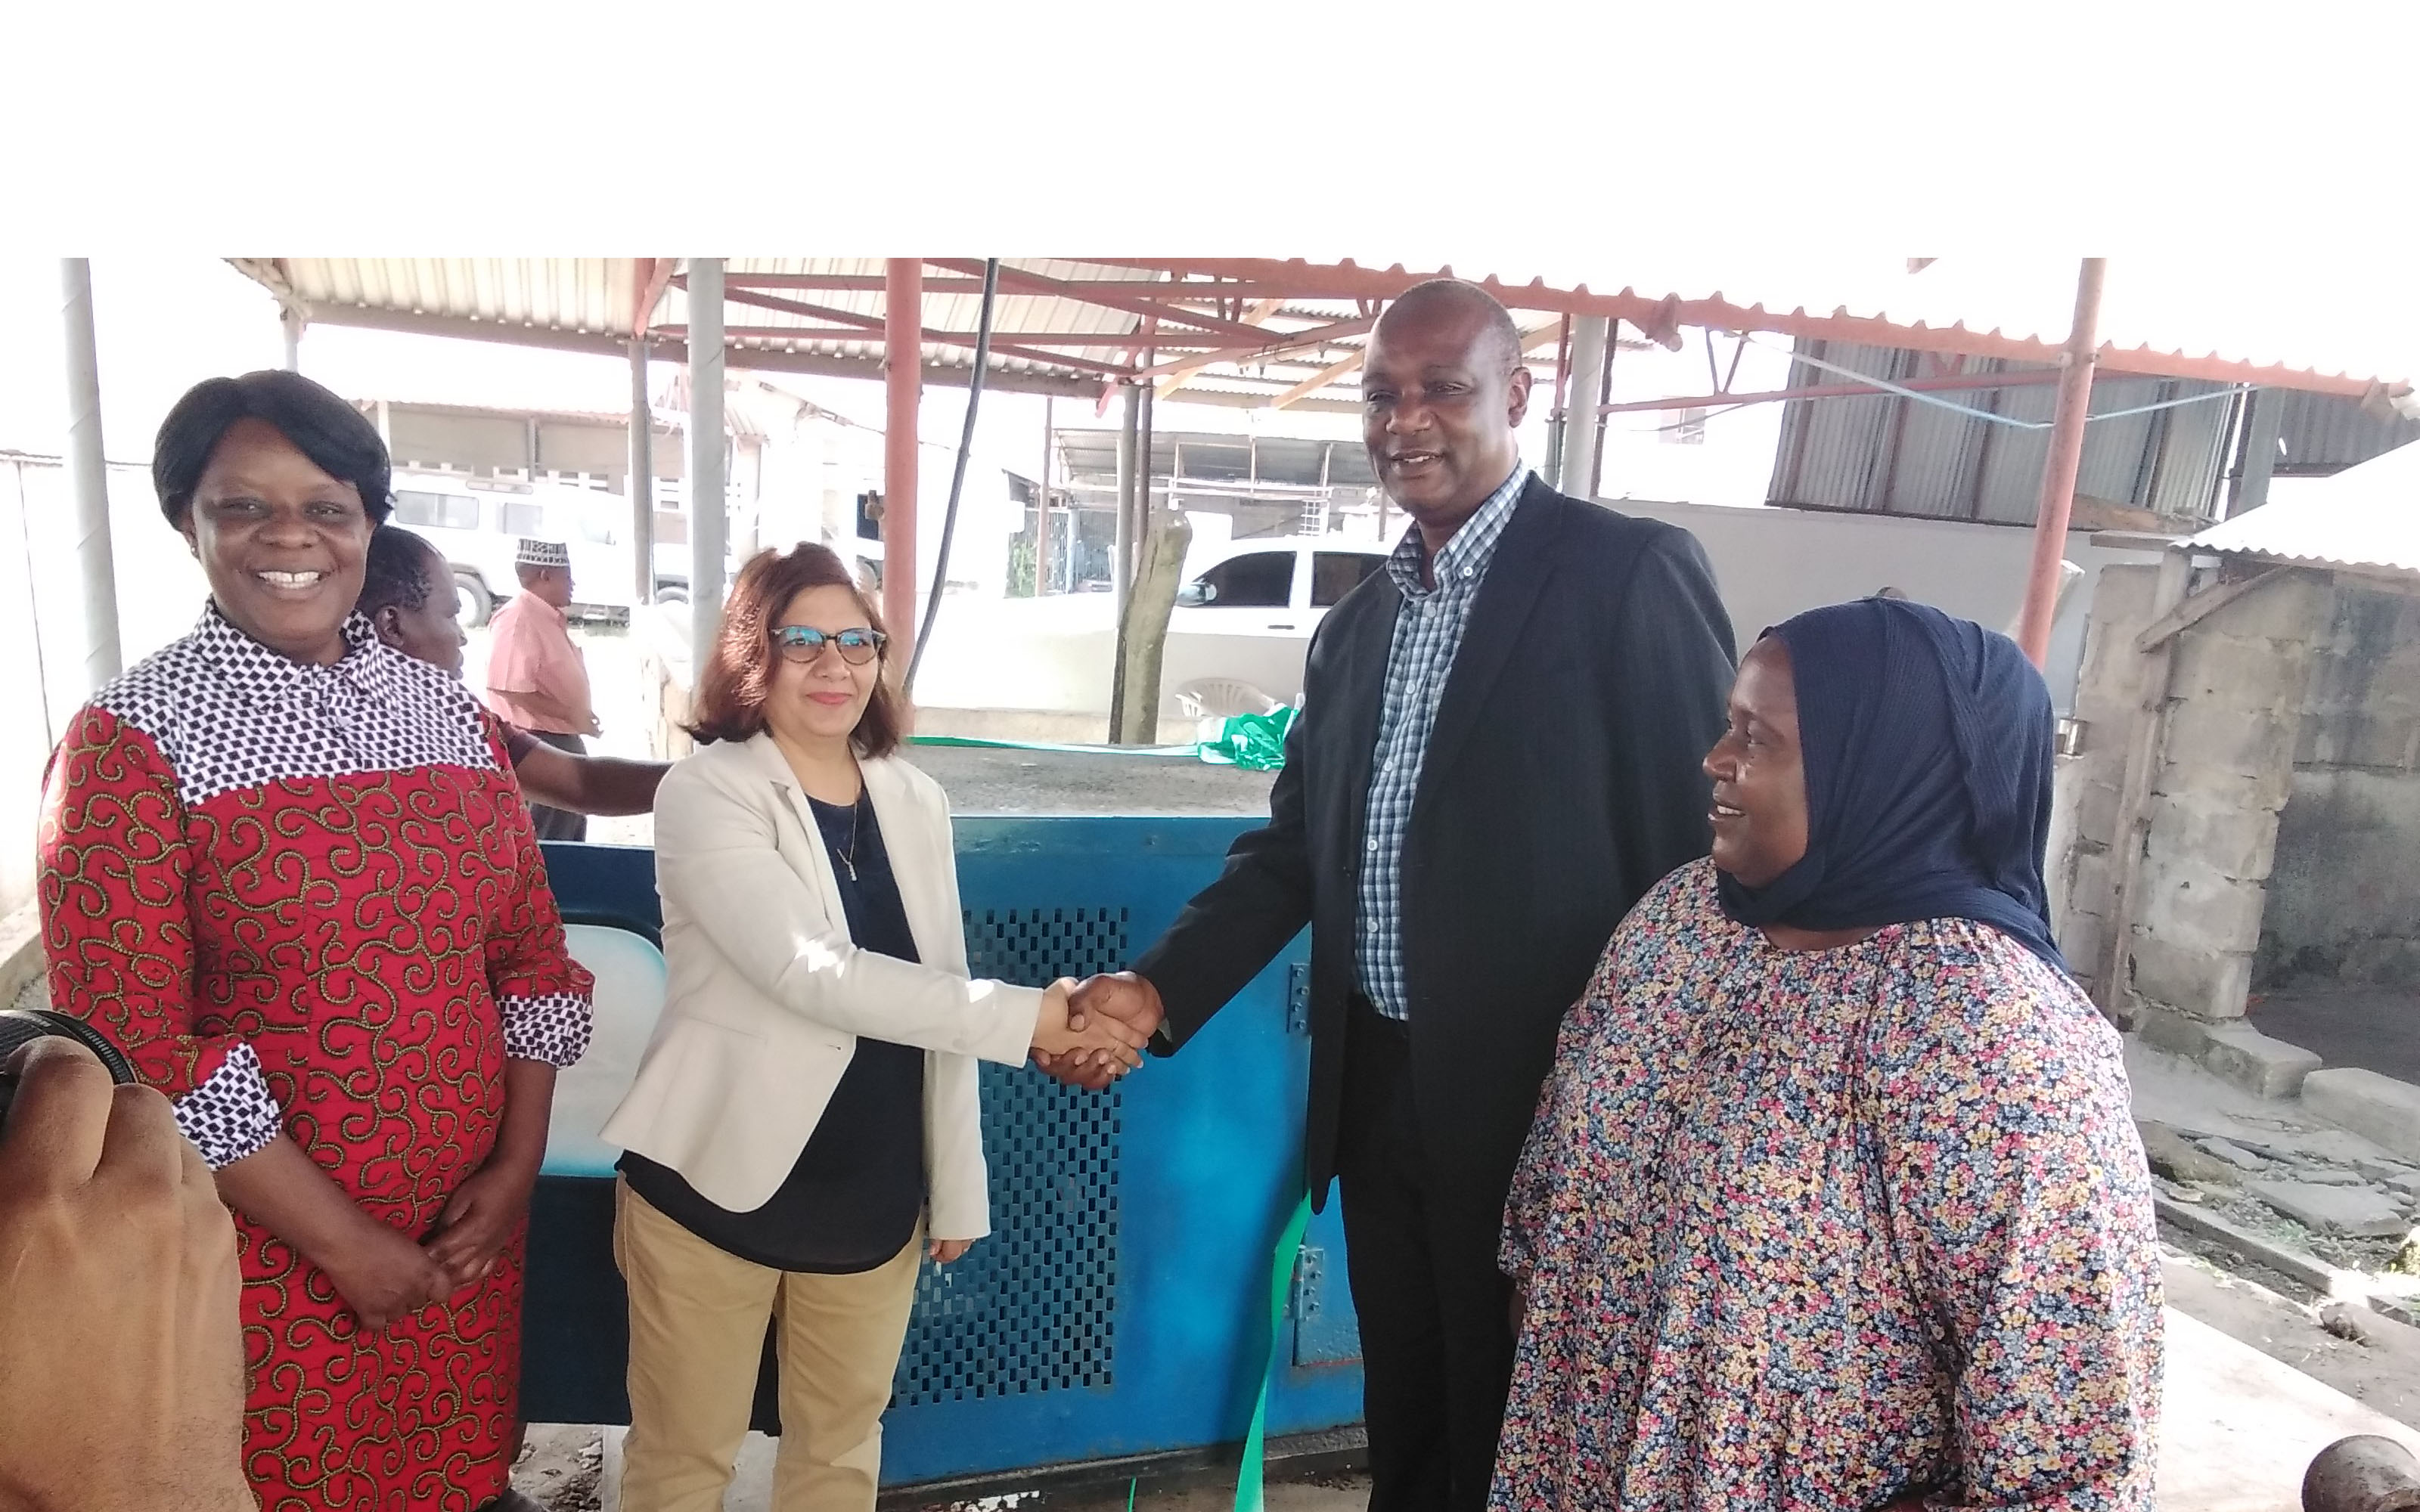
pixel 809 861
pixel 899 813
pixel 1524 558
pixel 1361 696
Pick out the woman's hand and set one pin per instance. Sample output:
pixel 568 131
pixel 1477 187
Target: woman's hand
pixel 945 1250
pixel 382 1275
pixel 481 1220
pixel 1121 1041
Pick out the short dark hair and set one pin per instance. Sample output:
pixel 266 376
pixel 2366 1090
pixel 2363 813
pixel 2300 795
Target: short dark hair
pixel 1500 330
pixel 339 439
pixel 738 674
pixel 397 572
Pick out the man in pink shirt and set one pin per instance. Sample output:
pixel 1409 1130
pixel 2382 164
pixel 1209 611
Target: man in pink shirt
pixel 536 678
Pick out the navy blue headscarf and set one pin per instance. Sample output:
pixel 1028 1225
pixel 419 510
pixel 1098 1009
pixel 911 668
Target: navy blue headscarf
pixel 1926 746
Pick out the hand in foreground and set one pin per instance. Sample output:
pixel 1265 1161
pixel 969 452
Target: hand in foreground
pixel 382 1274
pixel 481 1220
pixel 945 1250
pixel 121 1361
pixel 1123 997
pixel 1110 1041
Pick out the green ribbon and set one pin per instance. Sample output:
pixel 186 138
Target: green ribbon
pixel 1248 1480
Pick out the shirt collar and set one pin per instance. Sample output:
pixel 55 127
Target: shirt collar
pixel 263 676
pixel 1465 557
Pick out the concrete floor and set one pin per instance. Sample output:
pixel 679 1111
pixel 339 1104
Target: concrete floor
pixel 2237 1430
pixel 2347 1023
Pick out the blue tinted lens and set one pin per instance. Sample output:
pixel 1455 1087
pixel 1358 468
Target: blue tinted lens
pixel 802 636
pixel 856 640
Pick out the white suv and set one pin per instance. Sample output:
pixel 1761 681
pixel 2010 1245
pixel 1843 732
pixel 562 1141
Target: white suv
pixel 1241 628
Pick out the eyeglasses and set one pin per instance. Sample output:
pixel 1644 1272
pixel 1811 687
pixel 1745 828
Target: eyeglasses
pixel 805 644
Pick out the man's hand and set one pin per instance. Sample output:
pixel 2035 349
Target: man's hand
pixel 121 1361
pixel 1122 996
pixel 1109 1042
pixel 945 1250
pixel 481 1220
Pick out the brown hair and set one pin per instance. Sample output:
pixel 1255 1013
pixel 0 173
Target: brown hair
pixel 738 675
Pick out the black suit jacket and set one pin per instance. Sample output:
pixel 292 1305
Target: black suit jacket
pixel 1562 782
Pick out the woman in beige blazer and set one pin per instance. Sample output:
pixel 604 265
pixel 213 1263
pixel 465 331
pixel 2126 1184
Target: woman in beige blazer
pixel 805 1123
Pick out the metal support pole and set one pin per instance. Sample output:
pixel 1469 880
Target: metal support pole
pixel 902 359
pixel 1596 419
pixel 1582 424
pixel 1142 482
pixel 707 518
pixel 89 477
pixel 1121 551
pixel 2057 495
pixel 1042 502
pixel 2260 429
pixel 640 482
pixel 291 318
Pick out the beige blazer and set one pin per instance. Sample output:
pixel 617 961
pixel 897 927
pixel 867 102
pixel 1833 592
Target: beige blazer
pixel 767 996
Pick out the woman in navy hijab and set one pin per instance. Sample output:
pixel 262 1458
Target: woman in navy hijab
pixel 1834 1198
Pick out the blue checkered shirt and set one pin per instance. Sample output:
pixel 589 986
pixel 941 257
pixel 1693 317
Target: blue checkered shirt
pixel 1428 634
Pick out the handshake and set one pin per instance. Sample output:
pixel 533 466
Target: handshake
pixel 1093 1032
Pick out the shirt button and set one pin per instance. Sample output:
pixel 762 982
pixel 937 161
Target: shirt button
pixel 1374 847
pixel 1374 926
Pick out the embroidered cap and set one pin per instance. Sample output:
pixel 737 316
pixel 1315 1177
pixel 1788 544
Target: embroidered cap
pixel 532 552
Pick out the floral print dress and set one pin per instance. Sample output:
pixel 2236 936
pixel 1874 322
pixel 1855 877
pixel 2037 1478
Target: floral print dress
pixel 1830 1229
pixel 306 901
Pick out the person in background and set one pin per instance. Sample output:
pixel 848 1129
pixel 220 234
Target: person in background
pixel 286 868
pixel 805 1124
pixel 1835 1199
pixel 536 678
pixel 1497 755
pixel 121 1362
pixel 407 596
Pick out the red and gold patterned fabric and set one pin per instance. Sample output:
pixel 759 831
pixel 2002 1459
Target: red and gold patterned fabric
pixel 307 900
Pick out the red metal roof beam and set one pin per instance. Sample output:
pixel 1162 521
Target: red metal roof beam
pixel 875 322
pixel 1346 281
pixel 1084 293
pixel 1297 340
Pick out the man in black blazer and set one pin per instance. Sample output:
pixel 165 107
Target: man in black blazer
pixel 1497 755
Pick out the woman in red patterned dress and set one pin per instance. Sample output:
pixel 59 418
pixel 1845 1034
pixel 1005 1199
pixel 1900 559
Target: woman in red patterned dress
pixel 286 868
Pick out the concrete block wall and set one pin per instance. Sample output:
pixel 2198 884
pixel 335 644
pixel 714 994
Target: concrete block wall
pixel 2084 810
pixel 2345 892
pixel 2237 691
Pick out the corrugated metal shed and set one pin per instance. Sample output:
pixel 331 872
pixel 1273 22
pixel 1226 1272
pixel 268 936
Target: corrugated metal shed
pixel 1886 454
pixel 2322 433
pixel 2363 520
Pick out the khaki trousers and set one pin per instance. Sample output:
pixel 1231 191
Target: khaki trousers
pixel 697 1334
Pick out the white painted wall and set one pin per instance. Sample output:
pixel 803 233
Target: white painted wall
pixel 1772 564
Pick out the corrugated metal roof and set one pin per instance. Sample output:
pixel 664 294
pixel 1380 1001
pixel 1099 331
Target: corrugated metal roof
pixel 1883 453
pixel 2363 520
pixel 2321 433
pixel 588 304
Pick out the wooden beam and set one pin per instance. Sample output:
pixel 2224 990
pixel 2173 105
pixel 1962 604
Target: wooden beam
pixel 2201 606
pixel 1545 335
pixel 874 323
pixel 1318 381
pixel 1256 316
pixel 1083 293
pixel 649 278
pixel 1292 341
